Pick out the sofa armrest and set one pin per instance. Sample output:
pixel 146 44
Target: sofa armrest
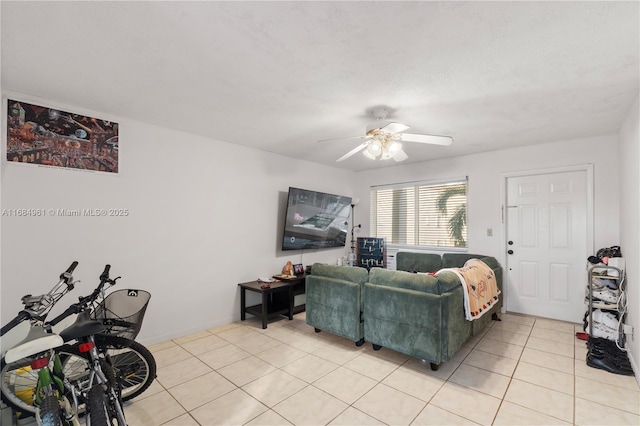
pixel 456 330
pixel 334 305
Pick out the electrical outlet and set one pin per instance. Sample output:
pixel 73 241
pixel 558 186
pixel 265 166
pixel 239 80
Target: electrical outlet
pixel 627 329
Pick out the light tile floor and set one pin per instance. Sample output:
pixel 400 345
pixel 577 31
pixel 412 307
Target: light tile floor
pixel 520 371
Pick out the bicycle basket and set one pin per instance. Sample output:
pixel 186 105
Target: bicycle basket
pixel 122 312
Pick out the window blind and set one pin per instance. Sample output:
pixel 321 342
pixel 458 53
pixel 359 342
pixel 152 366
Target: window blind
pixel 421 214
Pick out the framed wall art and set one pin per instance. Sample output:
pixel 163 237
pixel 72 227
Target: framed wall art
pixel 51 137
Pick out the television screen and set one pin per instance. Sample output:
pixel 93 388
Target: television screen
pixel 315 220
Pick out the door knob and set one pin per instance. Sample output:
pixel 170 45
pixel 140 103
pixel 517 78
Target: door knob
pixel 510 251
pixel 510 243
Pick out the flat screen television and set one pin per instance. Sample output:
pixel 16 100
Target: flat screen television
pixel 315 220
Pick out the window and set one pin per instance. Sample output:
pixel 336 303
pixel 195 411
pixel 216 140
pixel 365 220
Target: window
pixel 421 213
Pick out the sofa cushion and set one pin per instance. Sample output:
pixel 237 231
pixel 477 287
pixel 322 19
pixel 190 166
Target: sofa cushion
pixel 353 274
pixel 418 262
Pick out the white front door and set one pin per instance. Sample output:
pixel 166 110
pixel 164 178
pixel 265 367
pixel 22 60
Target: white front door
pixel 547 245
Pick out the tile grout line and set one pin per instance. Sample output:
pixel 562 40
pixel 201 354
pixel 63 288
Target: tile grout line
pixel 396 368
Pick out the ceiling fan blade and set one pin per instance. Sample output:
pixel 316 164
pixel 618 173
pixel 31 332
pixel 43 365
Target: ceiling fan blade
pixel 344 139
pixel 394 128
pixel 353 151
pixel 400 155
pixel 432 139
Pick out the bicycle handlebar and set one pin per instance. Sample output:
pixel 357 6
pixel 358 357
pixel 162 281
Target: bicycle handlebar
pixel 66 274
pixel 83 302
pixel 23 315
pixel 74 308
pixel 105 274
pixel 37 307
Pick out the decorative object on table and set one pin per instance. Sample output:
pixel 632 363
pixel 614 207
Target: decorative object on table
pixel 266 282
pixel 371 253
pixel 50 137
pixel 298 269
pixel 288 270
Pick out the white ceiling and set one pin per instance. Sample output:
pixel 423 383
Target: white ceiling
pixel 278 76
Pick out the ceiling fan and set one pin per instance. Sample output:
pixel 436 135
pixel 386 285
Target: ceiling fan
pixel 384 139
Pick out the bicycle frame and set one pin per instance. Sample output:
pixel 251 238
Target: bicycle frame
pixel 97 376
pixel 48 366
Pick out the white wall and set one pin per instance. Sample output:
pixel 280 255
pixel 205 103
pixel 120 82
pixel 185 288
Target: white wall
pixel 630 224
pixel 203 216
pixel 484 198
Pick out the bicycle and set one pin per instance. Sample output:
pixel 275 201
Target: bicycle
pixel 100 389
pixel 132 364
pixel 37 353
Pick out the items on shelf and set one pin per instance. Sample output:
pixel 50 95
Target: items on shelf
pixel 607 306
pixel 266 282
pixel 606 355
pixel 287 271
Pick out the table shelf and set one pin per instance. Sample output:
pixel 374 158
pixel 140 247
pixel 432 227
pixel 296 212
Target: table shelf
pixel 277 299
pixel 272 311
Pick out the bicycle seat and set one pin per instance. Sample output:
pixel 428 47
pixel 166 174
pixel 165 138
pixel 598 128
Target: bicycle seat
pixel 83 326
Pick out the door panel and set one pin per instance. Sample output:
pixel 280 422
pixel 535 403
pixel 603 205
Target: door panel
pixel 528 226
pixel 547 222
pixel 560 226
pixel 528 279
pixel 560 278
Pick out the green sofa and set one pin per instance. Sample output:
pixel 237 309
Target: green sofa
pixel 418 314
pixel 334 300
pixel 412 313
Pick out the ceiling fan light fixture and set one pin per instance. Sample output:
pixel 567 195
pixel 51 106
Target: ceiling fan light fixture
pixel 385 153
pixel 394 148
pixel 368 154
pixel 375 148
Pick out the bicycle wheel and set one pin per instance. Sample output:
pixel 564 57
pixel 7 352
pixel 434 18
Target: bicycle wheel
pixel 49 412
pixel 99 413
pixel 132 362
pixel 18 382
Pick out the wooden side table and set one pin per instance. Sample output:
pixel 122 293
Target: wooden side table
pixel 270 307
pixel 299 288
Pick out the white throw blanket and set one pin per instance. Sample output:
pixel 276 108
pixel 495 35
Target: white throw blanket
pixel 480 288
